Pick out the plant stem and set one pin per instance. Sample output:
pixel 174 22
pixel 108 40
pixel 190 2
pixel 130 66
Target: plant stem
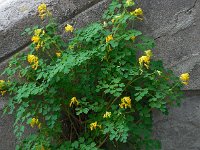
pixel 103 141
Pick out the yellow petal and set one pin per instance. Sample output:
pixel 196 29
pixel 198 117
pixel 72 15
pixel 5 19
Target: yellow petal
pixel 69 28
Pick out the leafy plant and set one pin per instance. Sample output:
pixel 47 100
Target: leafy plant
pixel 92 91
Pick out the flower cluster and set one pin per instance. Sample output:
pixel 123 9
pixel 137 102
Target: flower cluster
pixel 42 10
pixel 107 115
pixel 125 102
pixel 109 38
pixel 145 60
pixel 133 38
pixel 74 101
pixel 185 77
pixel 2 87
pixel 58 54
pixel 69 28
pixel 137 12
pixel 36 38
pixel 94 125
pixel 35 122
pixel 33 60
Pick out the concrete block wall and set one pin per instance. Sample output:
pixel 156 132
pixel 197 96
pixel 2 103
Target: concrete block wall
pixel 174 24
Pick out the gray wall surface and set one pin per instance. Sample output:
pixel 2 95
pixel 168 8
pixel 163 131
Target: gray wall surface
pixel 174 24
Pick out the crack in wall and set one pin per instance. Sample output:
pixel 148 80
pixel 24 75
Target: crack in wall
pixel 181 20
pixel 180 24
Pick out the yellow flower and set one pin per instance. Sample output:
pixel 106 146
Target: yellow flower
pixel 42 148
pixel 69 28
pixel 37 32
pixel 109 38
pixel 144 60
pixel 42 16
pixel 35 65
pixel 148 53
pixel 3 92
pixel 185 77
pixel 125 102
pixel 2 87
pixel 107 115
pixel 37 47
pixel 34 122
pixel 42 8
pixel 35 39
pixel 137 12
pixel 32 59
pixel 2 81
pixel 58 54
pixel 71 47
pixel 113 20
pixel 133 38
pixel 74 101
pixel 130 3
pixel 39 126
pixel 94 125
pixel 43 32
pixel 2 84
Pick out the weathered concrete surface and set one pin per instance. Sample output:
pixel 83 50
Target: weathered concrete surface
pixel 175 24
pixel 16 15
pixel 90 15
pixel 181 129
pixel 7 140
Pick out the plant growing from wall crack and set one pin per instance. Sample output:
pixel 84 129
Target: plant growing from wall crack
pixel 92 91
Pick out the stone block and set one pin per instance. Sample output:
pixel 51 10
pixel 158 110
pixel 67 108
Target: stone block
pixel 175 25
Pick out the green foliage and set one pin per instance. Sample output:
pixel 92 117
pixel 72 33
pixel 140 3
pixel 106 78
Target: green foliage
pixel 93 89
